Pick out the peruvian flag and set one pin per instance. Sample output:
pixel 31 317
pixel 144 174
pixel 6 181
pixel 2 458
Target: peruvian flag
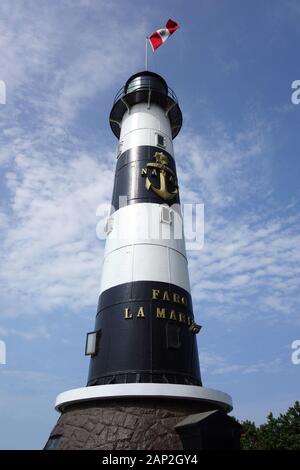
pixel 161 35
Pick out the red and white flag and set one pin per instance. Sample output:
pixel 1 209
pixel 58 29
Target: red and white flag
pixel 161 35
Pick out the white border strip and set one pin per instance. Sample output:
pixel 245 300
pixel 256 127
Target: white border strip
pixel 188 392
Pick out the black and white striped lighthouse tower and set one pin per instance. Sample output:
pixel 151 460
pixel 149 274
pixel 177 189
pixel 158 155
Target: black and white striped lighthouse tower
pixel 144 377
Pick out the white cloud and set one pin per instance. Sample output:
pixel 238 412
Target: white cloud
pixel 100 62
pixel 85 46
pixel 248 267
pixel 51 256
pixel 53 180
pixel 222 170
pixel 55 59
pixel 33 333
pixel 29 378
pixel 215 364
pixel 250 261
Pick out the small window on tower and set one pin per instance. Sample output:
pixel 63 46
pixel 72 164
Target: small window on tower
pixel 165 214
pixel 109 225
pixel 173 336
pixel 160 141
pixel 92 343
pixel 119 148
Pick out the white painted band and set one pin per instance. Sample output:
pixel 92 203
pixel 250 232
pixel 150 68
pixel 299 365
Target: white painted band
pixel 185 392
pixel 141 124
pixel 146 223
pixel 148 137
pixel 144 262
pixel 140 116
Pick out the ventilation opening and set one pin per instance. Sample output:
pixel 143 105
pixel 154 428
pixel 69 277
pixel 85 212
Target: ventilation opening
pixel 109 226
pixel 165 214
pixel 119 148
pixel 173 336
pixel 160 141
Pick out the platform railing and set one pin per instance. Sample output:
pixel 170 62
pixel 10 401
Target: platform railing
pixel 144 85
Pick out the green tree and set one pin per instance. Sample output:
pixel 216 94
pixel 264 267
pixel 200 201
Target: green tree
pixel 249 437
pixel 282 432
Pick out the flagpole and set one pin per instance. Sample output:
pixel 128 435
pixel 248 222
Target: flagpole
pixel 146 54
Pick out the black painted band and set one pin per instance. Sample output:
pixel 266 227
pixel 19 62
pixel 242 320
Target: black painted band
pixel 143 291
pixel 145 336
pixel 130 177
pixel 142 152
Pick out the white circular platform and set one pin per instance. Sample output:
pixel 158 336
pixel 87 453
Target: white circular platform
pixel 187 392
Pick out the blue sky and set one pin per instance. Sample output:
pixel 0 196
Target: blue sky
pixel 231 64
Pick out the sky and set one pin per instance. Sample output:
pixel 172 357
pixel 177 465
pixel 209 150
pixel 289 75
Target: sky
pixel 231 65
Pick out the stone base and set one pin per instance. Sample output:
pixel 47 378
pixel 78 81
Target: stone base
pixel 123 424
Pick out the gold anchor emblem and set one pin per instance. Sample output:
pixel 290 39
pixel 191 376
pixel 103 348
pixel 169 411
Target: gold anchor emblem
pixel 167 177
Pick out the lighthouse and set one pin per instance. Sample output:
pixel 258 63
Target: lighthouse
pixel 144 388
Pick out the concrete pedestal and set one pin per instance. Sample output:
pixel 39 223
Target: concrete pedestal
pixel 123 424
pixel 129 416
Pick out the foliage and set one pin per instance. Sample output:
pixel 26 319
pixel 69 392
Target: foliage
pixel 277 433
